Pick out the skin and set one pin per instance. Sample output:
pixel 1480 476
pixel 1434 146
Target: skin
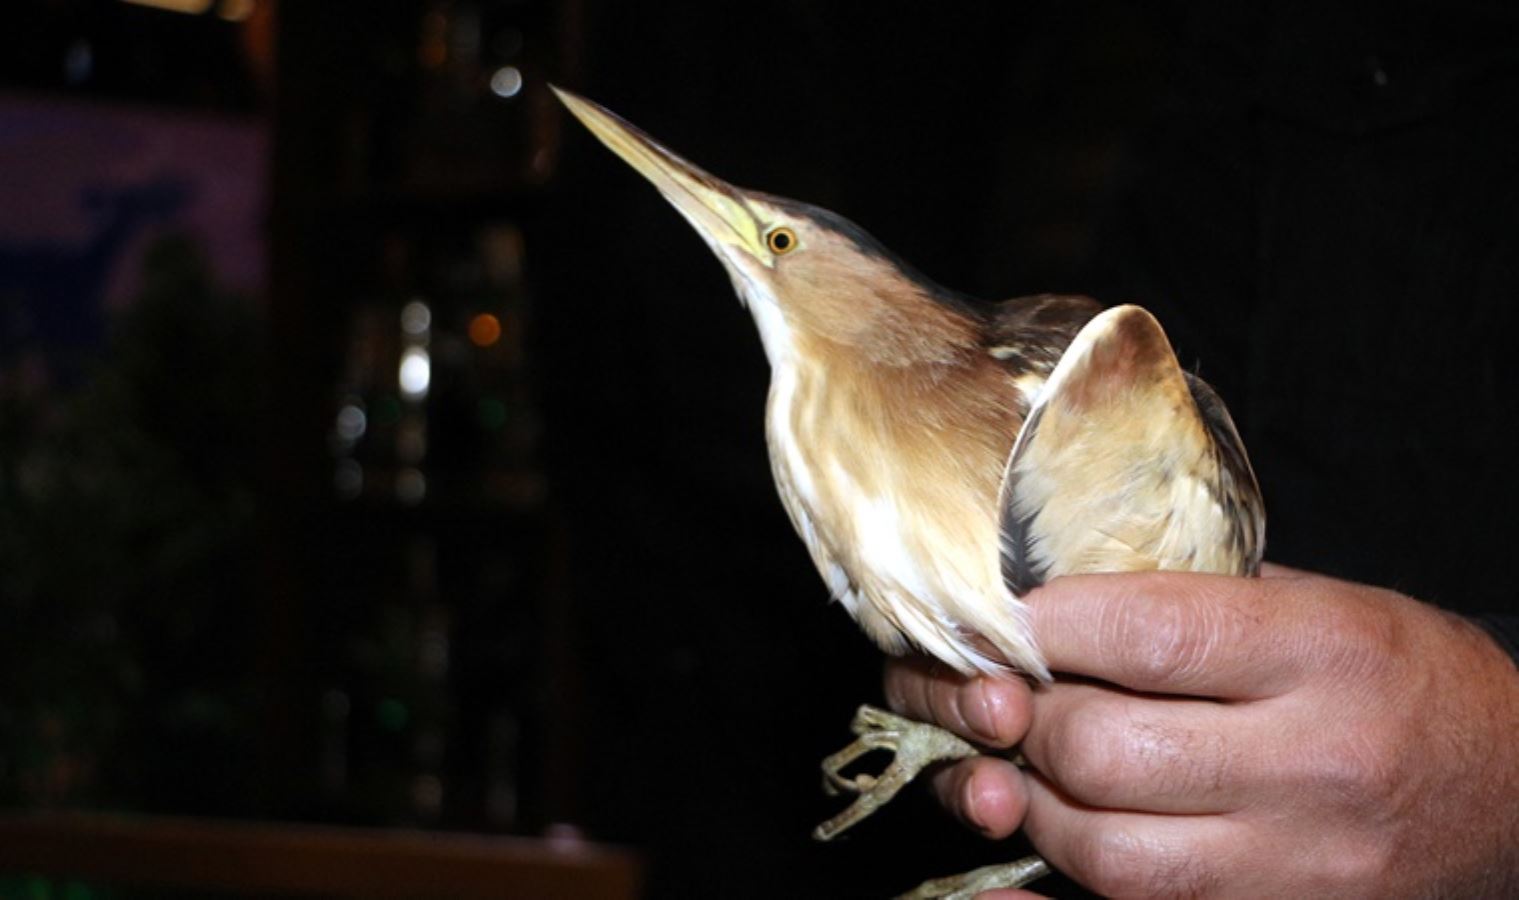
pixel 1291 735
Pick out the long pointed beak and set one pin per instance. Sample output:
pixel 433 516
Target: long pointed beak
pixel 714 208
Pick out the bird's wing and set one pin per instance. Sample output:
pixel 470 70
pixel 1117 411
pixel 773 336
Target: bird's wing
pixel 1127 463
pixel 1027 334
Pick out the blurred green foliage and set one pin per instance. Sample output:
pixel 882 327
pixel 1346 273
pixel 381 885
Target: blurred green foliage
pixel 128 560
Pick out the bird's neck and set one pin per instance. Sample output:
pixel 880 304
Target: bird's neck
pixel 777 334
pixel 904 330
pixel 887 382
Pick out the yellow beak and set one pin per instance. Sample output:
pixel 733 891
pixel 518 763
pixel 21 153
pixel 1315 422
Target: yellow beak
pixel 714 208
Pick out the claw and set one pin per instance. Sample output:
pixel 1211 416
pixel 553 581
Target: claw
pixel 966 886
pixel 914 745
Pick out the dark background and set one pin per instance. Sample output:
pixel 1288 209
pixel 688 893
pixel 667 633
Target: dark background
pixel 1319 205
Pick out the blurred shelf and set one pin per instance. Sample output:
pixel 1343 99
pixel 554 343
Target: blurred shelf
pixel 282 859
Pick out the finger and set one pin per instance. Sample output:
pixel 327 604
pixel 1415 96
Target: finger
pixel 1130 854
pixel 1277 570
pixel 1172 633
pixel 984 792
pixel 1111 749
pixel 990 711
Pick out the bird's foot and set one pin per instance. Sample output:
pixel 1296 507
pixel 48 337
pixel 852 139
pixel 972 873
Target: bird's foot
pixel 914 746
pixel 969 884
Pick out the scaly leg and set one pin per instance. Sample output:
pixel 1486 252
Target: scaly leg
pixel 968 885
pixel 914 746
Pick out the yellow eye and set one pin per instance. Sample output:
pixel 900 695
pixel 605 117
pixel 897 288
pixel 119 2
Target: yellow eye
pixel 781 240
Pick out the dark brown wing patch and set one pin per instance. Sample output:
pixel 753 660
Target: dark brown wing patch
pixel 1236 488
pixel 1030 333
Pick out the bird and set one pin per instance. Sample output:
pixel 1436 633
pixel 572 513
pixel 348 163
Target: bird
pixel 941 457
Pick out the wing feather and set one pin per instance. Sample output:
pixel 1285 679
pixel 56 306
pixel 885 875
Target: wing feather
pixel 1126 463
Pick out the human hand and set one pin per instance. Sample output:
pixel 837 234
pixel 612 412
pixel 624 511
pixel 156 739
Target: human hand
pixel 1289 735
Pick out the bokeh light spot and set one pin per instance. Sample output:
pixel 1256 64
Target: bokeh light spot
pixel 415 373
pixel 484 330
pixel 506 82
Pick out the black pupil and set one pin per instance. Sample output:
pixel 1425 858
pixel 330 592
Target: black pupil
pixel 780 240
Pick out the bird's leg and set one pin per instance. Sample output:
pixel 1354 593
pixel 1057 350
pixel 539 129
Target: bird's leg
pixel 914 746
pixel 968 885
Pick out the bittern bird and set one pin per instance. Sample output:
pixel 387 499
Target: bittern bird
pixel 941 457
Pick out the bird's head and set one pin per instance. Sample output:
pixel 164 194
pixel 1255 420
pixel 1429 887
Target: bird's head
pixel 807 274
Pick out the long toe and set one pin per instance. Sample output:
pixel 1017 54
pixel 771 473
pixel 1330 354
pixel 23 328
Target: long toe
pixel 967 885
pixel 914 747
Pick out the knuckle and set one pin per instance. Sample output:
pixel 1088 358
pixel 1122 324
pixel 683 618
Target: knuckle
pixel 1177 872
pixel 1362 770
pixel 1163 641
pixel 1119 862
pixel 1088 755
pixel 1109 863
pixel 1175 761
pixel 1355 863
pixel 1361 637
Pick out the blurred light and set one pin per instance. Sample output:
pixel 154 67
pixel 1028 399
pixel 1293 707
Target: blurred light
pixel 564 834
pixel 501 250
pixel 392 714
pixel 491 413
pixel 542 163
pixel 193 7
pixel 411 486
pixel 484 330
pixel 78 62
pixel 411 440
pixel 433 51
pixel 507 82
pixel 348 480
pixel 236 10
pixel 416 318
pixel 351 422
pixel 427 794
pixel 416 373
pixel 464 33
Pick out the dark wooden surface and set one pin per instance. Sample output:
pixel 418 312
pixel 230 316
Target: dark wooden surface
pixel 301 860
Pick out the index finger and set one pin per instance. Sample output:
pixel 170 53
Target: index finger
pixel 993 712
pixel 1175 633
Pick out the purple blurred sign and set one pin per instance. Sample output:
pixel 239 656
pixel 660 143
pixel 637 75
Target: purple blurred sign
pixel 85 188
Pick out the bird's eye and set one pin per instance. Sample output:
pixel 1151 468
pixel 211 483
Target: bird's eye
pixel 781 240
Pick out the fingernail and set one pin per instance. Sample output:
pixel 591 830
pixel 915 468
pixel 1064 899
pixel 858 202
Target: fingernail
pixel 979 710
pixel 979 795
